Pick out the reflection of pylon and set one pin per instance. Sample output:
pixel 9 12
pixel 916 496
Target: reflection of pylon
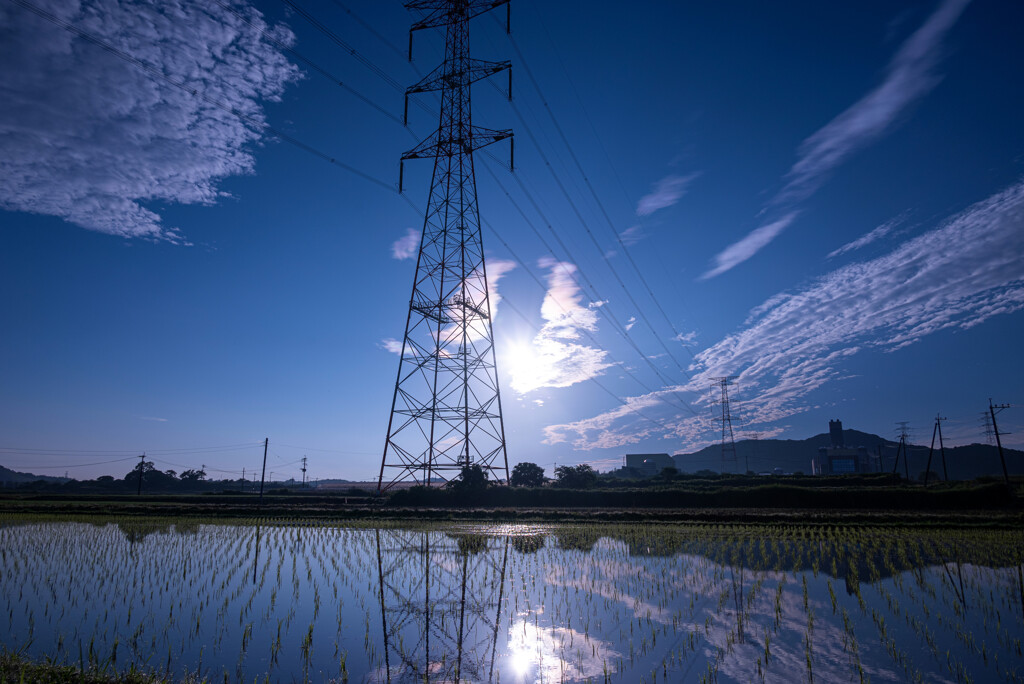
pixel 728 443
pixel 439 612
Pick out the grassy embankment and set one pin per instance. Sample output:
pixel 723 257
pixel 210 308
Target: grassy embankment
pixel 15 668
pixel 876 499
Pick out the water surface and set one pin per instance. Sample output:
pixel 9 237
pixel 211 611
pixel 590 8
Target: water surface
pixel 517 603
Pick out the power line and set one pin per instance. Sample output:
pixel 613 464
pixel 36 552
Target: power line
pixel 74 465
pixel 619 327
pixel 310 63
pixel 604 212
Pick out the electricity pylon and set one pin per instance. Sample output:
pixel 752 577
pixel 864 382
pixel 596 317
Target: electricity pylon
pixel 728 443
pixel 903 446
pixel 937 430
pixel 446 409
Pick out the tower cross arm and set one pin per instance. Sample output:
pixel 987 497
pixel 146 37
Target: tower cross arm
pixel 440 145
pixel 438 79
pixel 439 10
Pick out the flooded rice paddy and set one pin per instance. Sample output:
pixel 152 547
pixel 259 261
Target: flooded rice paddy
pixel 517 603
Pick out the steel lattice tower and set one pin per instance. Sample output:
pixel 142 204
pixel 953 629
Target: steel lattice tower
pixel 728 443
pixel 446 409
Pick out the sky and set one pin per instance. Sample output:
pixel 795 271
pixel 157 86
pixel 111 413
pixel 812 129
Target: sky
pixel 202 243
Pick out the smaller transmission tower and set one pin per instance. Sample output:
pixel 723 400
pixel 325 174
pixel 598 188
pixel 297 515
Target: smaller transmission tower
pixel 937 430
pixel 728 443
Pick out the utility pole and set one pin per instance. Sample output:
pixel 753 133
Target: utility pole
pixel 928 468
pixel 993 409
pixel 446 407
pixel 728 443
pixel 142 468
pixel 243 478
pixel 266 443
pixel 303 472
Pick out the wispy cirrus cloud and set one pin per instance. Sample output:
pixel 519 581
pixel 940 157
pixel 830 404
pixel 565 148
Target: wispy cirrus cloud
pixel 665 193
pixel 955 276
pixel 631 235
pixel 555 357
pixel 909 76
pixel 406 246
pixel 750 245
pixel 869 237
pixel 89 138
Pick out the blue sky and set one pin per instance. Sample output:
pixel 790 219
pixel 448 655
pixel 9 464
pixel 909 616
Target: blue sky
pixel 824 199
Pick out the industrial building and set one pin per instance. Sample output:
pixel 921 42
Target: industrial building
pixel 649 465
pixel 838 459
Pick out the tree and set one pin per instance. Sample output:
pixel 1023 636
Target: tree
pixel 471 484
pixel 191 475
pixel 527 475
pixel 580 476
pixel 669 474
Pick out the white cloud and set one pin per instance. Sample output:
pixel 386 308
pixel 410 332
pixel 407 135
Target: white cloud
pixel 630 323
pixel 496 270
pixel 392 345
pixel 631 235
pixel 92 139
pixel 406 246
pixel 665 193
pixel 909 77
pixel 155 420
pixel 750 245
pixel 957 275
pixel 555 357
pixel 866 239
pixel 688 339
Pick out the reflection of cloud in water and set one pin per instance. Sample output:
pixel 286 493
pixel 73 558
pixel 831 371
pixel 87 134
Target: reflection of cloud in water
pixel 555 654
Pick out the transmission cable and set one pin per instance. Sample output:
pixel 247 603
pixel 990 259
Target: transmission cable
pixel 310 63
pixel 604 212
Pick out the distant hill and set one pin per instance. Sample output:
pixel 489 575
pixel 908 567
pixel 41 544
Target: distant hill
pixel 963 463
pixel 13 476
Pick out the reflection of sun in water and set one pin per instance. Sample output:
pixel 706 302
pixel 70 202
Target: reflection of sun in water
pixel 535 653
pixel 521 662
